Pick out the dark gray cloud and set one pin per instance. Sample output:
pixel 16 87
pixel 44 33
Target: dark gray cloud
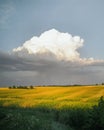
pixel 12 62
pixel 18 70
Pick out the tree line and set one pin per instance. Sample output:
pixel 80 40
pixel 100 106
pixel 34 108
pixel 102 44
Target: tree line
pixel 21 87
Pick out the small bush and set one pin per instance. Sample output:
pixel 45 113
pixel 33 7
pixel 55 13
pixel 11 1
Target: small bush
pixel 75 118
pixel 96 116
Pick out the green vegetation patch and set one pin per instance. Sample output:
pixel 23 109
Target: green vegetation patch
pixel 44 118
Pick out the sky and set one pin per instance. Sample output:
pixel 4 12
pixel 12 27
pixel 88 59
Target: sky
pixel 45 42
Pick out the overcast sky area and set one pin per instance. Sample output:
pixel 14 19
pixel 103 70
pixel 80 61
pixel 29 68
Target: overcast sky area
pixel 57 42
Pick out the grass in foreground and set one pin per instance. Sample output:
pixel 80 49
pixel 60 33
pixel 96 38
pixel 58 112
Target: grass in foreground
pixel 42 118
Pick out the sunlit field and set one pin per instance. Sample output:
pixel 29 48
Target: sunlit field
pixel 54 97
pixel 52 108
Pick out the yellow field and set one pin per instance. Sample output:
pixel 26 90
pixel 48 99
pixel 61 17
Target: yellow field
pixel 56 97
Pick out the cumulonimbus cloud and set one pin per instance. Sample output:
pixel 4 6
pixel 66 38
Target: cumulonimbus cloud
pixel 51 58
pixel 61 45
pixel 53 44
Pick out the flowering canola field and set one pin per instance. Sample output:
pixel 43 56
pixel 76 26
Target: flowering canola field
pixel 54 97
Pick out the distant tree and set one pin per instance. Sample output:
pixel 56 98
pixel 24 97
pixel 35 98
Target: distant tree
pixel 25 87
pixel 31 87
pixel 14 86
pixel 9 87
pixel 102 83
pixel 22 87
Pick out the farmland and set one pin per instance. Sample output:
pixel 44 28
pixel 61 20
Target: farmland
pixel 55 97
pixel 52 108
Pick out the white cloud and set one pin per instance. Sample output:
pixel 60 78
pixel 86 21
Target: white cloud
pixel 54 45
pixel 61 45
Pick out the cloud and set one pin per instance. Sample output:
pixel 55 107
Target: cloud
pixel 51 58
pixel 61 46
pixel 54 45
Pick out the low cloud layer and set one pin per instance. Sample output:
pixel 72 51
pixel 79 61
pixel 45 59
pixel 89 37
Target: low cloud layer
pixel 51 58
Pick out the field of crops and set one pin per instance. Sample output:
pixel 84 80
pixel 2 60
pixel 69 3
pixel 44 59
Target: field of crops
pixel 54 97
